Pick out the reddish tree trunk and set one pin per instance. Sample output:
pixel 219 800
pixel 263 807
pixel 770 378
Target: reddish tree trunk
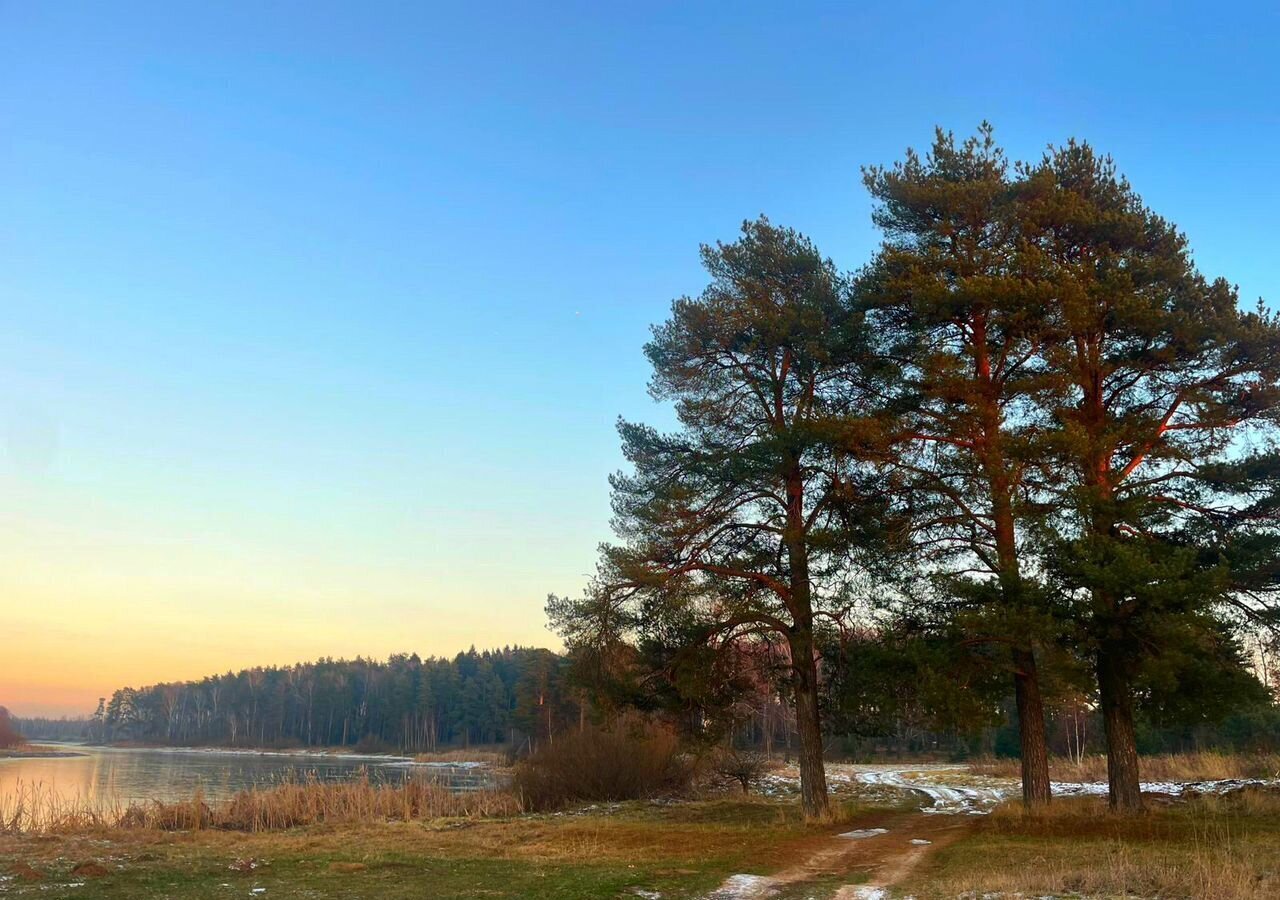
pixel 813 775
pixel 1115 693
pixel 1031 729
pixel 1033 742
pixel 804 663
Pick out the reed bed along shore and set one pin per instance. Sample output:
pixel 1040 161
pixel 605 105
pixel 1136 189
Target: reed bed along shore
pixel 1205 766
pixel 33 808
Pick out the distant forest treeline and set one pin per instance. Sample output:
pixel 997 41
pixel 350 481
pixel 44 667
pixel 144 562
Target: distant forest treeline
pixel 405 703
pixel 519 696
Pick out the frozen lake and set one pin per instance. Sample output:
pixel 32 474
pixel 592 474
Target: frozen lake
pixel 106 775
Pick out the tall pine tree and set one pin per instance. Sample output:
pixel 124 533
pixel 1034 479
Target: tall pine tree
pixel 1156 380
pixel 744 522
pixel 954 298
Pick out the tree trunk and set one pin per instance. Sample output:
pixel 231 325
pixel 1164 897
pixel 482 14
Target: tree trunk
pixel 804 664
pixel 813 775
pixel 1116 698
pixel 1034 744
pixel 1031 730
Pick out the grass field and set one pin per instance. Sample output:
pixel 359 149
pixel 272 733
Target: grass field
pixel 680 850
pixel 354 841
pixel 1211 848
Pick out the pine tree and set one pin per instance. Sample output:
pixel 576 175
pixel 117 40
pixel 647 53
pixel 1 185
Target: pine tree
pixel 1155 379
pixel 953 296
pixel 742 524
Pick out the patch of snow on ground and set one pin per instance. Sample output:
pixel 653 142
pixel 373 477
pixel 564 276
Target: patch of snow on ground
pixel 953 790
pixel 862 833
pixel 463 764
pixel 744 887
pixel 864 892
pixel 1172 788
pixel 945 798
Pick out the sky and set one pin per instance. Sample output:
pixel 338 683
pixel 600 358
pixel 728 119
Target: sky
pixel 316 318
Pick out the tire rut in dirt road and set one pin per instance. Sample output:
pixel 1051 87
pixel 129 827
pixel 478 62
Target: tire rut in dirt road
pixel 885 856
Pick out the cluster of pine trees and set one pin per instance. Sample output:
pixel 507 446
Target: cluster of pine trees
pixel 1026 448
pixel 1017 477
pixel 406 704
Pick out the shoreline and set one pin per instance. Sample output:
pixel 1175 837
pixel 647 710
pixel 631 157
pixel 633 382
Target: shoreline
pixel 39 751
pixel 55 750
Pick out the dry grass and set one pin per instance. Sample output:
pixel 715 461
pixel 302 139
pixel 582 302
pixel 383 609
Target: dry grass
pixel 1212 848
pixel 1206 766
pixel 34 808
pixel 769 834
pixel 677 850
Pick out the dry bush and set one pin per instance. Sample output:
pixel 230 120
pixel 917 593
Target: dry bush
pixel 745 767
pixel 36 809
pixel 1205 766
pixel 630 760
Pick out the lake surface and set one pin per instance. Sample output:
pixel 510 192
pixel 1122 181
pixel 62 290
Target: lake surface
pixel 107 775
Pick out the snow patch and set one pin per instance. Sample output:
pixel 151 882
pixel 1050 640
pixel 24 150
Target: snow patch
pixel 980 795
pixel 862 833
pixel 867 892
pixel 461 764
pixel 744 887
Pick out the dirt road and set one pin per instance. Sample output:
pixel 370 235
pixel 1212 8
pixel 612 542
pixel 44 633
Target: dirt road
pixel 875 855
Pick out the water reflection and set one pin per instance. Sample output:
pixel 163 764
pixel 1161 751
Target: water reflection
pixel 109 775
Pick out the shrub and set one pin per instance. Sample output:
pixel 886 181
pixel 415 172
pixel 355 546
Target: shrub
pixel 742 766
pixel 630 760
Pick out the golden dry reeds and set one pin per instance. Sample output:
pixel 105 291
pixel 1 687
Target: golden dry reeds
pixel 34 808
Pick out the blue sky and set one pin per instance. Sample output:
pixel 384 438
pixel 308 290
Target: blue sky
pixel 317 317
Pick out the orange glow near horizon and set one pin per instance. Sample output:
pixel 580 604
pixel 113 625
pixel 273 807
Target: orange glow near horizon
pixel 128 575
pixel 63 673
pixel 97 616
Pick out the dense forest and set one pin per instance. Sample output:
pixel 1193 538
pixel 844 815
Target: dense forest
pixel 516 697
pixel 405 703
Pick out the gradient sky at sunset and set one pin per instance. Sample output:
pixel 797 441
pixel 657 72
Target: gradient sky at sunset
pixel 317 317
